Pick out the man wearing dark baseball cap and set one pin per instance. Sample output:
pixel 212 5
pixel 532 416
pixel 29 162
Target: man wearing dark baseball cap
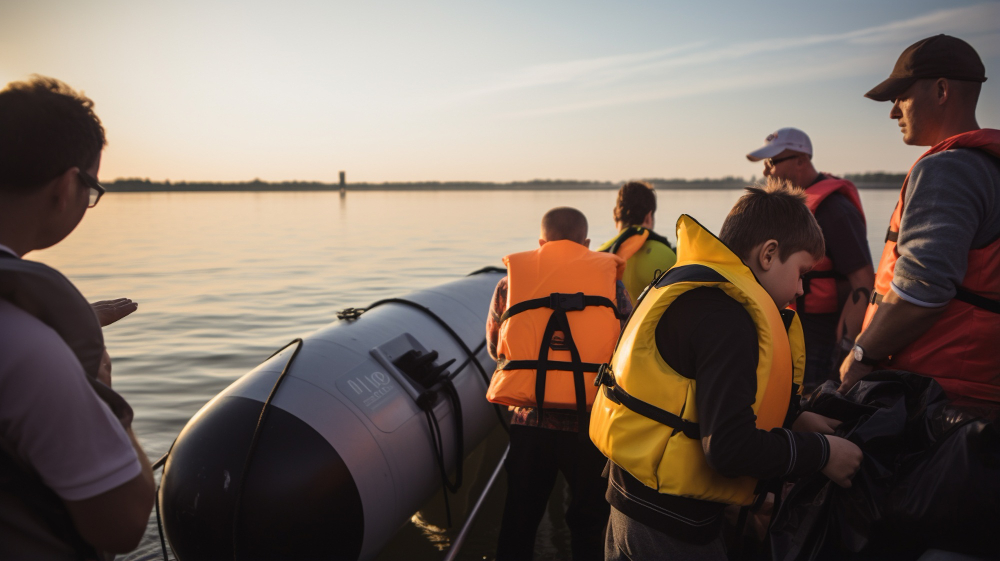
pixel 936 306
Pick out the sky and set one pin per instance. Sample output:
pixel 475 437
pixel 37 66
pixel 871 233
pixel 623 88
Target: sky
pixel 483 91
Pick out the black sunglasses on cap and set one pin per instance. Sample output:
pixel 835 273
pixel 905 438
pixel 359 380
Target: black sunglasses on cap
pixel 96 189
pixel 771 162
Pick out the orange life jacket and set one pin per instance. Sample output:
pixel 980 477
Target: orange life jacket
pixel 561 324
pixel 819 286
pixel 959 350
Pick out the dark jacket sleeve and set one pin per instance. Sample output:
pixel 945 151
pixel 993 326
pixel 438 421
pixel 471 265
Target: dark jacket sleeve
pixel 708 336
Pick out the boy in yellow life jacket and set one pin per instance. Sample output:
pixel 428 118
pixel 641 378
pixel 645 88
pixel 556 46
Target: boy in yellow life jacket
pixel 646 253
pixel 553 321
pixel 700 403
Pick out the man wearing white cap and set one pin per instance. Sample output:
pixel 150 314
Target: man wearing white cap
pixel 836 291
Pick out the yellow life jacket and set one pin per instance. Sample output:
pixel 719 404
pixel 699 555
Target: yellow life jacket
pixel 645 419
pixel 647 255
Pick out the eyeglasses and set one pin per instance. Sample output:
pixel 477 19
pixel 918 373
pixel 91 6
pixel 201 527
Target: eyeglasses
pixel 96 189
pixel 771 162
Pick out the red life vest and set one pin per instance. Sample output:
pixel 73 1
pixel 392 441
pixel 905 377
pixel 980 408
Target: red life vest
pixel 561 287
pixel 959 350
pixel 819 286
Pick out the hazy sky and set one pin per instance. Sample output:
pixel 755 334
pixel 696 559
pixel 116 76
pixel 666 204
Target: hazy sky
pixel 500 91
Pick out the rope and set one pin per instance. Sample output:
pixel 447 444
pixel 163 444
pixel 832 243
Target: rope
pixel 256 435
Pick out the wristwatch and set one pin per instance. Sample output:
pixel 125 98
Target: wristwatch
pixel 859 356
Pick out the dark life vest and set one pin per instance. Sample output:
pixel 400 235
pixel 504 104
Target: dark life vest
pixel 819 286
pixel 50 297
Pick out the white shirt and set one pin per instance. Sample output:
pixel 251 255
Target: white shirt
pixel 51 418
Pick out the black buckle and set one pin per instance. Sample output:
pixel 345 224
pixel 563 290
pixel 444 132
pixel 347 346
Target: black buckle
pixel 605 376
pixel 566 302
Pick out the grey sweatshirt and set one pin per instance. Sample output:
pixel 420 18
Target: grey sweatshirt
pixel 951 205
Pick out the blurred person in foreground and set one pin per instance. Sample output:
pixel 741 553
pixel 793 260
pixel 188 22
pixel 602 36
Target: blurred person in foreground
pixel 74 482
pixel 699 406
pixel 646 253
pixel 936 306
pixel 835 292
pixel 553 321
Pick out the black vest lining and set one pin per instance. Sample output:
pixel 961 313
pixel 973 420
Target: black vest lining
pixel 690 273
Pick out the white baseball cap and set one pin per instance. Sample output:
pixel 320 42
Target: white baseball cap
pixel 780 140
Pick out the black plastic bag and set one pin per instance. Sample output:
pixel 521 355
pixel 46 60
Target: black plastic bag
pixel 929 472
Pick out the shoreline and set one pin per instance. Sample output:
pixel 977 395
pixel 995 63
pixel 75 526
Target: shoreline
pixel 133 186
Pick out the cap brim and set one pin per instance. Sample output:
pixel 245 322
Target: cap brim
pixel 765 152
pixel 890 89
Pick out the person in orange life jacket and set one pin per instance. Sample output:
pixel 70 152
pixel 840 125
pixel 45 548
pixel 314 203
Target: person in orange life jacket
pixel 936 306
pixel 837 289
pixel 74 482
pixel 646 252
pixel 708 336
pixel 548 441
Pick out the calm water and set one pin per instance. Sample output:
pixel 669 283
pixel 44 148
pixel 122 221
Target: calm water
pixel 224 279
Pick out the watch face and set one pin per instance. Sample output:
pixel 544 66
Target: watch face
pixel 859 353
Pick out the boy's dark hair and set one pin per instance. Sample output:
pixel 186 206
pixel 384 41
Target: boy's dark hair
pixel 564 223
pixel 775 211
pixel 636 199
pixel 46 128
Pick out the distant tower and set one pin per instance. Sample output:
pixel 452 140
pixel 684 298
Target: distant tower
pixel 343 182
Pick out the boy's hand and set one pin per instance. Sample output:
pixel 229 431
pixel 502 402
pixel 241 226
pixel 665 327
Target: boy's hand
pixel 110 311
pixel 808 421
pixel 845 459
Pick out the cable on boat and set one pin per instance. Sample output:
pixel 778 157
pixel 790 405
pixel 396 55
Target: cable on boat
pixel 256 435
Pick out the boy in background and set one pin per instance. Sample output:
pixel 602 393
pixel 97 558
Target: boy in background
pixel 553 321
pixel 694 408
pixel 646 253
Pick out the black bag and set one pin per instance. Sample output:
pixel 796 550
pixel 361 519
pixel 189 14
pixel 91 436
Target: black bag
pixel 930 477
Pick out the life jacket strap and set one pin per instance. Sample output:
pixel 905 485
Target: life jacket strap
pixel 831 274
pixel 614 392
pixel 561 301
pixel 564 365
pixel 559 322
pixel 800 302
pixel 623 237
pixel 977 300
pixel 962 295
pixel 891 235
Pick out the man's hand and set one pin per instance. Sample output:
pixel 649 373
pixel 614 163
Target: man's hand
pixel 845 459
pixel 851 372
pixel 110 311
pixel 808 421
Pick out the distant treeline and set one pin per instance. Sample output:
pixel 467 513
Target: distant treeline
pixel 878 180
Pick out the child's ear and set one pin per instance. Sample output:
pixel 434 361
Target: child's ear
pixel 64 190
pixel 541 242
pixel 586 243
pixel 767 255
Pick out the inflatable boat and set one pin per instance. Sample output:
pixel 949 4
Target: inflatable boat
pixel 327 448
